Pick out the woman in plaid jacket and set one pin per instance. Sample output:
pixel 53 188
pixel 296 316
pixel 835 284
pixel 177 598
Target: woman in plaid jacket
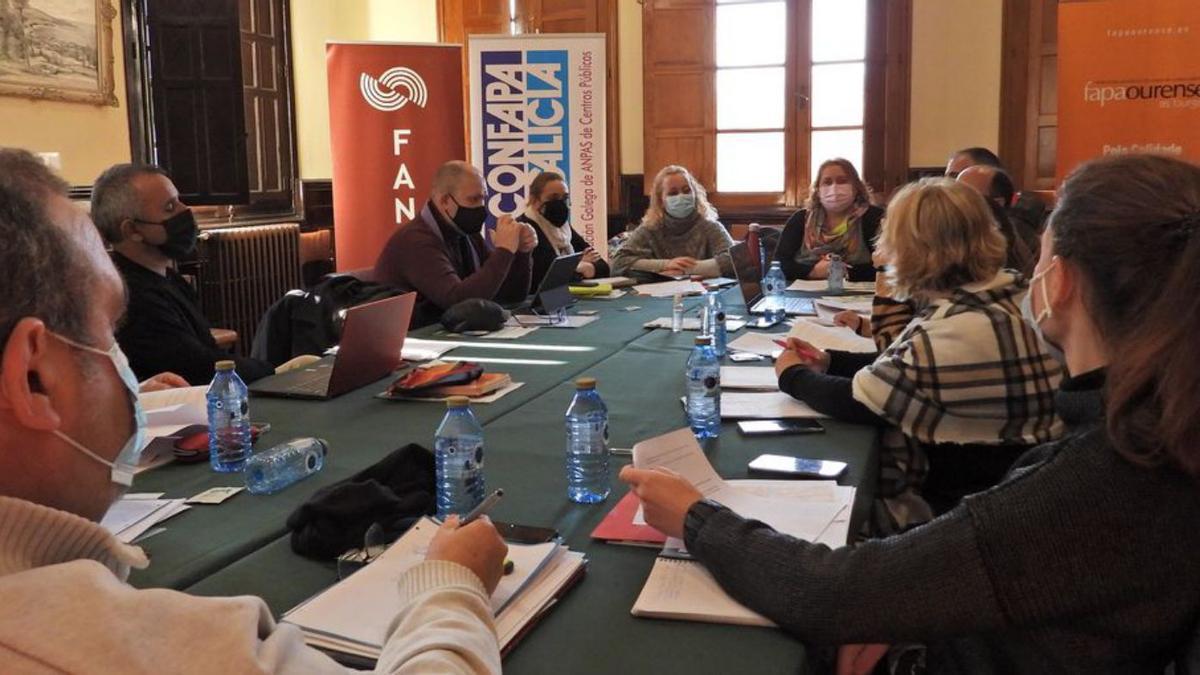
pixel 965 387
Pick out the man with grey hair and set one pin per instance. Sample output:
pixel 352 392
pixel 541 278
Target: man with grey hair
pixel 443 256
pixel 137 209
pixel 69 430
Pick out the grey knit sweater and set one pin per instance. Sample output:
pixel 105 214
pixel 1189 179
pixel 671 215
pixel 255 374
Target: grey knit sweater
pixel 1078 561
pixel 651 246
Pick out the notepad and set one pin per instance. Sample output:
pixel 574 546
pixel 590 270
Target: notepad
pixel 354 615
pixel 739 405
pixel 666 289
pixel 683 589
pixel 754 378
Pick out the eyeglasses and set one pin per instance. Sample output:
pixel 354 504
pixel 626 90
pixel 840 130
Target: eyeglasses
pixel 375 542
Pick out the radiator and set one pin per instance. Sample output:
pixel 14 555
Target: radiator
pixel 243 271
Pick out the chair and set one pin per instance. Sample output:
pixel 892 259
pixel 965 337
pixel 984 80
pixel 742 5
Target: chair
pixel 764 239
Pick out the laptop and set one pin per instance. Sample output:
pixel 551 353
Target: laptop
pixel 372 337
pixel 745 267
pixel 553 294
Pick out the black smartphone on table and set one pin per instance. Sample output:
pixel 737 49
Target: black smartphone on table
pixel 779 427
pixel 798 467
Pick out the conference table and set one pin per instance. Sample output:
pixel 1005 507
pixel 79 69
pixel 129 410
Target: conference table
pixel 241 547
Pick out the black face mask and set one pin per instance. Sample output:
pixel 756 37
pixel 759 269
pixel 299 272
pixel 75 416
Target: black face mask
pixel 182 232
pixel 557 212
pixel 469 219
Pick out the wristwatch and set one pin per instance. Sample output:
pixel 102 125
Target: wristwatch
pixel 697 515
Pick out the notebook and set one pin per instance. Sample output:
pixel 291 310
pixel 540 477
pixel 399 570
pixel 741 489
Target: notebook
pixel 351 618
pixel 618 527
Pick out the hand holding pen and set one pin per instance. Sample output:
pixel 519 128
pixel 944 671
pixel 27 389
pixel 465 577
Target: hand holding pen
pixel 797 352
pixel 472 542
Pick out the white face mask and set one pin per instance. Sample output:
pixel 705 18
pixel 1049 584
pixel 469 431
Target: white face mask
pixel 836 196
pixel 127 460
pixel 1036 321
pixel 681 205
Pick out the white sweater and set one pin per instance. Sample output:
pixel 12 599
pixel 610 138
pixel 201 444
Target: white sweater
pixel 66 608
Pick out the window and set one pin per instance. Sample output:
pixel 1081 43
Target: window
pixel 781 86
pixel 753 89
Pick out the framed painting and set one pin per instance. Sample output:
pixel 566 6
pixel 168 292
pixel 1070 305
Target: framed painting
pixel 59 50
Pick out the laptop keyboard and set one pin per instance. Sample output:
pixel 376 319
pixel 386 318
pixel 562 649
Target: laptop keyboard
pixel 316 383
pixel 791 305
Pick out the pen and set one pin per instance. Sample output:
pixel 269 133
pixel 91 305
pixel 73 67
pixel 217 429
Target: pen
pixel 484 506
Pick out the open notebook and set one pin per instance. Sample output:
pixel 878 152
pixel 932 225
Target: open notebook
pixel 352 617
pixel 680 588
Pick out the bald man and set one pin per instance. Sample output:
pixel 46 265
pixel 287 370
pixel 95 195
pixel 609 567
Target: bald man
pixel 443 256
pixel 997 188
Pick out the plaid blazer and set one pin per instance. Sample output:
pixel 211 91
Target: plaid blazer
pixel 967 369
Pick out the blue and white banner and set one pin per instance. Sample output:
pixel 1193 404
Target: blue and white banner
pixel 537 104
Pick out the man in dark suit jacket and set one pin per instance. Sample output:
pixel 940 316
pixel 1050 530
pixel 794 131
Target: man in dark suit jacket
pixel 443 256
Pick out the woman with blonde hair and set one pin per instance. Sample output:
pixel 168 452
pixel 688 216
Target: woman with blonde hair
pixel 838 219
pixel 680 233
pixel 1084 558
pixel 965 387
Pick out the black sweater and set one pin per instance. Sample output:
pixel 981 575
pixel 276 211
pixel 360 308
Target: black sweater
pixel 1078 562
pixel 164 330
pixel 955 469
pixel 791 241
pixel 544 254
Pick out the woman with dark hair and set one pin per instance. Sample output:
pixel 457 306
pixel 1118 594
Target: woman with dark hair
pixel 1084 558
pixel 548 210
pixel 838 219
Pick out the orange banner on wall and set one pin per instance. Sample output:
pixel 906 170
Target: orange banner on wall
pixel 1128 79
pixel 395 115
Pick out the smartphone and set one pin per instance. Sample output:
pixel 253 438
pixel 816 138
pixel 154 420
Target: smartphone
pixel 779 427
pixel 525 534
pixel 797 466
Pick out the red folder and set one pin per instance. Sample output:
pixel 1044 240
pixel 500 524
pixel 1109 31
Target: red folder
pixel 618 528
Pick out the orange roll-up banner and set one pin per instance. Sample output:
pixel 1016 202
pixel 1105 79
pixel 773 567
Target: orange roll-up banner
pixel 395 115
pixel 1128 79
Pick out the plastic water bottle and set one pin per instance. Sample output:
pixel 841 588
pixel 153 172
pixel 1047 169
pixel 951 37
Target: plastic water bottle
pixel 458 457
pixel 677 313
pixel 774 287
pixel 837 273
pixel 587 444
pixel 271 471
pixel 715 323
pixel 229 442
pixel 704 390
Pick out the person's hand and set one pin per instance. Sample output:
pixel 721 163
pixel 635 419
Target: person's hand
pixel 591 256
pixel 678 266
pixel 859 659
pixel 666 497
pixel 586 269
pixel 528 238
pixel 820 270
pixel 801 353
pixel 854 321
pixel 508 235
pixel 477 547
pixel 297 362
pixel 880 259
pixel 161 382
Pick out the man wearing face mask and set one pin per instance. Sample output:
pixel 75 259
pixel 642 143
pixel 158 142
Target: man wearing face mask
pixel 137 210
pixel 70 429
pixel 443 256
pixel 997 188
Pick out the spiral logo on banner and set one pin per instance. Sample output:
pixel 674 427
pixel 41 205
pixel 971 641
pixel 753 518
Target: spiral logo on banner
pixel 396 87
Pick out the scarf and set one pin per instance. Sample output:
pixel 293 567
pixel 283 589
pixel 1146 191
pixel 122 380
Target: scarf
pixel 559 237
pixel 844 239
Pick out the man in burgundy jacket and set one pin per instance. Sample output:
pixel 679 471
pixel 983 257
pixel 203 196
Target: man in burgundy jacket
pixel 443 256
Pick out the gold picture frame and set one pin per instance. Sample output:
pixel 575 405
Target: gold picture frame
pixel 58 50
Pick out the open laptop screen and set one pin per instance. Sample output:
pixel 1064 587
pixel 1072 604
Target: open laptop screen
pixel 746 268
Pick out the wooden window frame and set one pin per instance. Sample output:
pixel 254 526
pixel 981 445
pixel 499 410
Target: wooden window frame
pixel 138 100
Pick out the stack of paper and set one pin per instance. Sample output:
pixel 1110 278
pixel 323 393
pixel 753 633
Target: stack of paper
pixel 678 588
pixel 774 405
pixel 615 282
pixel 170 410
pixel 752 378
pixel 822 285
pixel 693 323
pixel 667 289
pixel 353 616
pixel 416 349
pixel 837 303
pixel 134 514
pixel 758 343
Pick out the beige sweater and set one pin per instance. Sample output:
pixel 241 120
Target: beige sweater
pixel 66 608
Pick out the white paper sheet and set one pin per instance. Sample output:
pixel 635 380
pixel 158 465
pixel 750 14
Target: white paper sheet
pixel 666 289
pixel 510 333
pixel 757 343
pixel 831 337
pixel 737 405
pixel 756 378
pixel 530 320
pixel 857 303
pixel 416 349
pixel 175 407
pixel 693 323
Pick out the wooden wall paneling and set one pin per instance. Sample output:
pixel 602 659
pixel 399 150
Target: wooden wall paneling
pixel 266 87
pixel 1029 92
